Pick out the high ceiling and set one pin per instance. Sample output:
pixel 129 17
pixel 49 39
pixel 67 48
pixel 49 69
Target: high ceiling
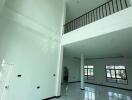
pixel 75 8
pixel 114 44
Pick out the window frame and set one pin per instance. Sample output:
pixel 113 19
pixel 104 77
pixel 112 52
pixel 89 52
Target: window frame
pixel 88 76
pixel 116 79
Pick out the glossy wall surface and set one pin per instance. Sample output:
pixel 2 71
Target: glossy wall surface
pixel 30 33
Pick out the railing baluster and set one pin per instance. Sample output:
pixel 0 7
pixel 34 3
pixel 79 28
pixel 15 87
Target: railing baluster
pixel 102 11
pixel 76 23
pixel 91 17
pixel 109 8
pixel 99 13
pixel 113 6
pixel 86 19
pixel 96 14
pixel 83 21
pixel 121 4
pixel 117 5
pixel 126 3
pixel 106 9
pixel 80 21
pixel 73 25
pixel 69 26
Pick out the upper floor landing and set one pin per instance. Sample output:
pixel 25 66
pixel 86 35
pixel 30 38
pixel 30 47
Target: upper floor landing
pixel 112 16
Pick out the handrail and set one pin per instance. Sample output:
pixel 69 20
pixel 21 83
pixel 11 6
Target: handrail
pixel 97 13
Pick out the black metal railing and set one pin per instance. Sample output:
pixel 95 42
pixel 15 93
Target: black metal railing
pixel 100 12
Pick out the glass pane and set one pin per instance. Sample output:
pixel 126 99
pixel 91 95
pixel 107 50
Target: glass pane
pixel 113 73
pixel 110 67
pixel 119 67
pixel 121 74
pixel 118 74
pixel 108 73
pixel 85 66
pixel 90 72
pixel 85 71
pixel 90 66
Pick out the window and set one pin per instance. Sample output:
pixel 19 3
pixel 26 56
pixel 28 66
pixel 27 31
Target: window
pixel 89 72
pixel 116 74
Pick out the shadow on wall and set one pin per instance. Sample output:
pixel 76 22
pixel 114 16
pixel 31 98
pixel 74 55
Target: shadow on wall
pixel 65 75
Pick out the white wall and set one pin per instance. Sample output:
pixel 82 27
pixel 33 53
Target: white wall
pixel 100 73
pixel 73 66
pixel 30 33
pixel 2 2
pixel 112 23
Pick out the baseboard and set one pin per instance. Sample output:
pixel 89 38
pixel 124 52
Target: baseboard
pixel 51 97
pixel 57 96
pixel 109 86
pixel 74 82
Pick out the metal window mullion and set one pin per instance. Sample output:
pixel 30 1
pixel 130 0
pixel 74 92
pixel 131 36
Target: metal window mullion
pixel 115 74
pixel 87 73
pixel 126 75
pixel 110 74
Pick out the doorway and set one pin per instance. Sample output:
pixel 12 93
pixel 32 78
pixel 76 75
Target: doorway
pixel 65 75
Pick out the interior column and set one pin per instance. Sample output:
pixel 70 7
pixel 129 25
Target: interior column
pixel 82 72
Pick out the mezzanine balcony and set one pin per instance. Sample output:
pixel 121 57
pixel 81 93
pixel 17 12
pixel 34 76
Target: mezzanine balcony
pixel 104 10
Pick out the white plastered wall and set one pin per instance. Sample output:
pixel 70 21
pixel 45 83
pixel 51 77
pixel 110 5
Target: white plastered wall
pixel 30 39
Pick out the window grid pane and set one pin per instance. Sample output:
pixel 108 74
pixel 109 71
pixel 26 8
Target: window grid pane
pixel 89 72
pixel 116 74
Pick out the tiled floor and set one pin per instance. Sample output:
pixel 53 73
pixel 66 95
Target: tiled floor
pixel 92 92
